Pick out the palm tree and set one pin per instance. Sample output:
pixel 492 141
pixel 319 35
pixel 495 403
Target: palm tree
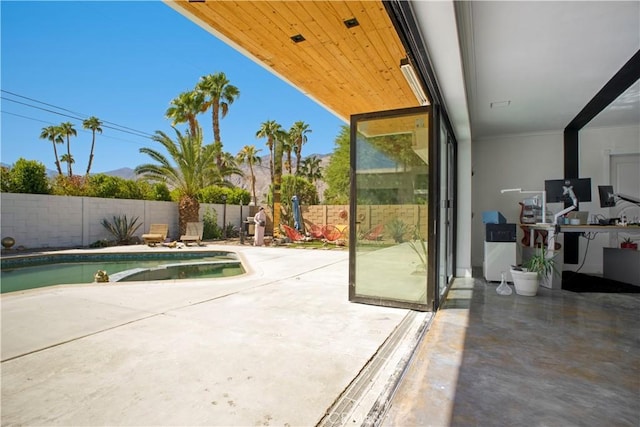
pixel 310 168
pixel 67 130
pixel 94 124
pixel 219 94
pixel 52 133
pixel 68 159
pixel 270 130
pixel 194 163
pixel 298 138
pixel 249 155
pixel 228 167
pixel 185 108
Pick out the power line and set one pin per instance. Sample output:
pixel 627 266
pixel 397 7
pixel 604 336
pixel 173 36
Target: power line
pixel 142 135
pixel 81 130
pixel 105 123
pixel 40 102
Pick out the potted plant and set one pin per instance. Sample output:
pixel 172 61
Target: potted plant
pixel 629 244
pixel 540 267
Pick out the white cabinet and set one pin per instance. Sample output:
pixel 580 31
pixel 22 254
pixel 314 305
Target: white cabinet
pixel 498 257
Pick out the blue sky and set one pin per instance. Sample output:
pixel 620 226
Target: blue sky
pixel 124 62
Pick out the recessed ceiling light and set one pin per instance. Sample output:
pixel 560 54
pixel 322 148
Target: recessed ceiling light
pixel 500 104
pixel 297 38
pixel 350 23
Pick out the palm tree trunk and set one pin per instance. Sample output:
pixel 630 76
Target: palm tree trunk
pixel 69 168
pixel 215 117
pixel 188 211
pixel 298 157
pixel 55 152
pixel 271 160
pixel 93 141
pixel 193 125
pixel 253 183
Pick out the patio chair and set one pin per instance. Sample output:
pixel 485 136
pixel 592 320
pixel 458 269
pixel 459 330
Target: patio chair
pixel 193 233
pixel 293 234
pixel 331 233
pixel 315 231
pixel 375 234
pixel 157 234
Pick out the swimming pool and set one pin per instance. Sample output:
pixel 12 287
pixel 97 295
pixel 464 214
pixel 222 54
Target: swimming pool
pixel 35 271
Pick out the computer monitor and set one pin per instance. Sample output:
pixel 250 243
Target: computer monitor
pixel 607 196
pixel 556 194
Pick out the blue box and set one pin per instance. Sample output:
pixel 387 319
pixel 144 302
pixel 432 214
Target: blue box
pixel 493 217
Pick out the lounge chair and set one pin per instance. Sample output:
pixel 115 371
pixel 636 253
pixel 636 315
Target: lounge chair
pixel 293 234
pixel 157 234
pixel 193 233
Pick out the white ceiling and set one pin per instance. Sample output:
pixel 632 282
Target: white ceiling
pixel 546 60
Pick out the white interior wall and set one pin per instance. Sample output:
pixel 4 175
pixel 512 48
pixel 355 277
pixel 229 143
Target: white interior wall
pixel 515 161
pixel 526 161
pixel 596 145
pixel 464 210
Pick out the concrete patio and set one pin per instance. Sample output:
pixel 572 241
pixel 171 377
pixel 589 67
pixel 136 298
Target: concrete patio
pixel 280 345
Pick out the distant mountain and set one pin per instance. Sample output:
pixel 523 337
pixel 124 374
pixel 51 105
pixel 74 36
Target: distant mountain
pixel 126 173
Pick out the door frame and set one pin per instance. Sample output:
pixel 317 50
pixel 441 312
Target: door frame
pixel 432 211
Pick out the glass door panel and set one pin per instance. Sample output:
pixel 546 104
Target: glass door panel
pixel 445 226
pixel 389 221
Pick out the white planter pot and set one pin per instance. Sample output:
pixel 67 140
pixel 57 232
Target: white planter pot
pixel 525 282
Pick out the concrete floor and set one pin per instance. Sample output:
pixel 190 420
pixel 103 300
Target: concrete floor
pixel 281 345
pixel 557 359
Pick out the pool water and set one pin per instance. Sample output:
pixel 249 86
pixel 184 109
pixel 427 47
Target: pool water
pixel 36 273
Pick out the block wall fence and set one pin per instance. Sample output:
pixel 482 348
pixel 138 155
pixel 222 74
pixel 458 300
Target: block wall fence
pixel 43 221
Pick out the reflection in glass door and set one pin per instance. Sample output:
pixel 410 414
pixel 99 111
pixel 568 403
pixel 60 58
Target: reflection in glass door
pixel 390 245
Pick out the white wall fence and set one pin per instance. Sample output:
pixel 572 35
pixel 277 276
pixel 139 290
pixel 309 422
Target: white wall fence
pixel 42 221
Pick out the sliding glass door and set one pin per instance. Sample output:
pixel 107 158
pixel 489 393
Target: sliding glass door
pixel 391 245
pixel 445 231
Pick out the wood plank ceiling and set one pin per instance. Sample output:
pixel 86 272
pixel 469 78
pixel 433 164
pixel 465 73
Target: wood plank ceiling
pixel 347 70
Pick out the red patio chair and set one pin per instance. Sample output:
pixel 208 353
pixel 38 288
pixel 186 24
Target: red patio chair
pixel 375 233
pixel 331 233
pixel 293 234
pixel 316 231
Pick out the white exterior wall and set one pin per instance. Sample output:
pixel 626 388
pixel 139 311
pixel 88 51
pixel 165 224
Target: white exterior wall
pixel 42 221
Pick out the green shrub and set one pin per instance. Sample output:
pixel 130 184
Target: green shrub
pixel 210 229
pixel 219 195
pixel 69 185
pixel 25 176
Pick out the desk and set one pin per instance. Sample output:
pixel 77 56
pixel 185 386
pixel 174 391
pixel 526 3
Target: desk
pixel 553 229
pixel 599 228
pixel 618 264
